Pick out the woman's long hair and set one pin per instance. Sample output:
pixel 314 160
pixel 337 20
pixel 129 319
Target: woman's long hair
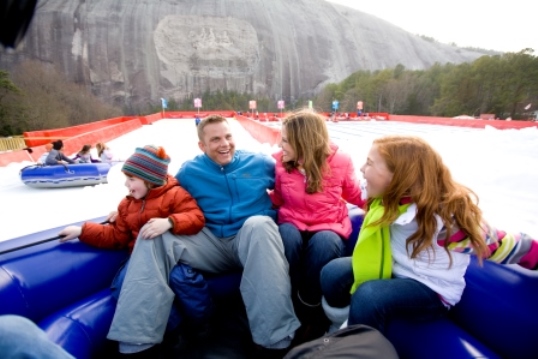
pixel 85 149
pixel 100 146
pixel 419 172
pixel 308 136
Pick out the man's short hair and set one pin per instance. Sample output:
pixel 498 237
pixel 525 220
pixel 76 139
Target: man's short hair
pixel 207 121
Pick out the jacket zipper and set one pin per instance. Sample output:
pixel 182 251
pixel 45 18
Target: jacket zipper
pixel 231 195
pixel 140 212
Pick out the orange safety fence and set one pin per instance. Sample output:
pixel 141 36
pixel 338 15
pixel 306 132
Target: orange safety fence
pixel 265 116
pixel 259 131
pixel 15 156
pixel 105 130
pixel 448 121
pixel 193 114
pixel 74 143
pixel 105 134
pixel 36 138
pixel 341 116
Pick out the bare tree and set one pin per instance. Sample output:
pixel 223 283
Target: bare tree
pixel 50 100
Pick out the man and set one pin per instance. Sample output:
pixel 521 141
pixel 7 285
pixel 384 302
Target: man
pixel 231 189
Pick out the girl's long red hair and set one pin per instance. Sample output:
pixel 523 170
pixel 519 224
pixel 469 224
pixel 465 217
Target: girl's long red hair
pixel 419 172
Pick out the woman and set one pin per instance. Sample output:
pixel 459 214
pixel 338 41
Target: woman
pixel 103 152
pixel 314 179
pixel 84 155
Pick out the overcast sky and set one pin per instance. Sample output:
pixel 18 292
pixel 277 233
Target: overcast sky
pixel 508 26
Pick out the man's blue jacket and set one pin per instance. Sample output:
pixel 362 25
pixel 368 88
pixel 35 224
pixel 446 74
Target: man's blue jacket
pixel 228 195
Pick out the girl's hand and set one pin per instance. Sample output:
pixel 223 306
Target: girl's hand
pixel 70 232
pixel 111 218
pixel 155 227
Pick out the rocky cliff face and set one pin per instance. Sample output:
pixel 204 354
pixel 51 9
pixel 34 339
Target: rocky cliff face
pixel 140 50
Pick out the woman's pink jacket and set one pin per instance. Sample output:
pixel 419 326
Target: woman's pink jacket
pixel 318 211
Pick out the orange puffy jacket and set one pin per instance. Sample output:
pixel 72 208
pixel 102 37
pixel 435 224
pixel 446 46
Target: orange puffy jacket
pixel 167 201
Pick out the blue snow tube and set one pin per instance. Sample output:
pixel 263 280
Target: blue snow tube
pixel 71 175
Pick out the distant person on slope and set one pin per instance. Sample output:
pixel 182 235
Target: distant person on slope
pixel 84 155
pixel 56 155
pixel 104 153
pixel 43 159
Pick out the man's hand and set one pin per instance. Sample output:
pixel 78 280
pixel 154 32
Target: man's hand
pixel 155 227
pixel 70 232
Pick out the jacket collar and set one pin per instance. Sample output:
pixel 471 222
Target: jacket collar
pixel 219 167
pixel 410 215
pixel 407 216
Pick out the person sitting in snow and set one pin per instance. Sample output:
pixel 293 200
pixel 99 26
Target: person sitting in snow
pixel 103 152
pixel 84 155
pixel 43 158
pixel 56 155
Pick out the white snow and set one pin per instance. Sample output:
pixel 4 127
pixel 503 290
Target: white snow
pixel 501 166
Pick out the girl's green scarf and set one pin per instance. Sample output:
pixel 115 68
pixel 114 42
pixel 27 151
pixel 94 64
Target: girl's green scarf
pixel 372 258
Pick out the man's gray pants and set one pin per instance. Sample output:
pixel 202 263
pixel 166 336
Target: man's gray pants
pixel 146 299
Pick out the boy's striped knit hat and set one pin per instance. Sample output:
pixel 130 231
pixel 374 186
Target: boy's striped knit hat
pixel 149 163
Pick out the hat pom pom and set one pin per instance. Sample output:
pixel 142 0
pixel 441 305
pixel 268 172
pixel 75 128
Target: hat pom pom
pixel 161 153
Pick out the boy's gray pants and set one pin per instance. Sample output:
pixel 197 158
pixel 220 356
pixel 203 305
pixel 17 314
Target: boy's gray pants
pixel 146 299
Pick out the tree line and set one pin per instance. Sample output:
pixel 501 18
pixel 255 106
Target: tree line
pixel 37 96
pixel 504 85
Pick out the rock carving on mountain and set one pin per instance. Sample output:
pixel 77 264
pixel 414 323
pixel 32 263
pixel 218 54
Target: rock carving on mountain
pixel 140 50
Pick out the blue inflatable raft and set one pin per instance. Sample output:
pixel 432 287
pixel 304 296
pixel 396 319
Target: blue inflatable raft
pixel 64 288
pixel 72 175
